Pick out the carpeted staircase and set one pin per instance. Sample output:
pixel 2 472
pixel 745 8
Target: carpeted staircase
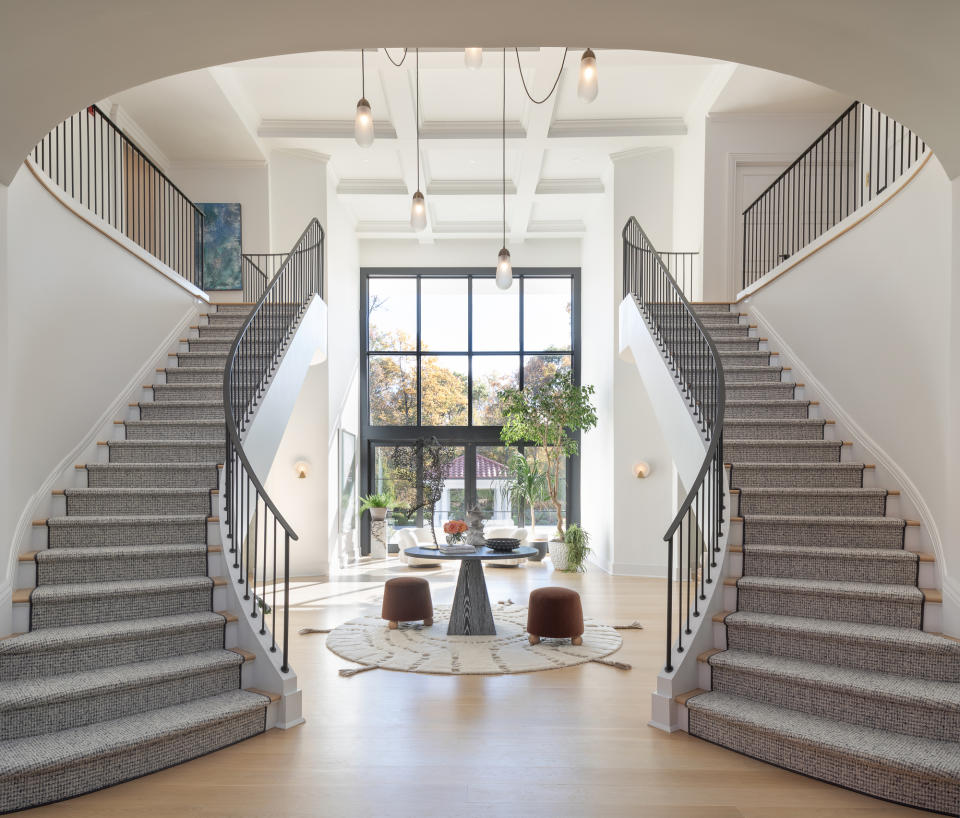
pixel 826 668
pixel 125 668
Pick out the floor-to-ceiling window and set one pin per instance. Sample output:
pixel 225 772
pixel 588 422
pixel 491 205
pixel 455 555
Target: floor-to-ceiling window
pixel 440 345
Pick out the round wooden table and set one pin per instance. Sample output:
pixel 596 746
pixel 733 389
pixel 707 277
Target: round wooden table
pixel 471 614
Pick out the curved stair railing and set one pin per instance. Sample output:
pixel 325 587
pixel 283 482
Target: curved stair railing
pixel 254 523
pixel 693 537
pixel 256 272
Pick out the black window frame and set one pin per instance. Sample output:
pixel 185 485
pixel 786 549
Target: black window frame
pixel 468 436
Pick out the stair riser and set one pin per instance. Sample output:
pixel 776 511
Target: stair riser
pixel 115 704
pixel 149 477
pixel 781 452
pixel 187 413
pixel 824 535
pixel 747 430
pixel 226 320
pixel 115 570
pixel 773 411
pixel 756 374
pixel 191 375
pixel 769 391
pixel 772 477
pixel 162 393
pixel 834 607
pixel 100 771
pixel 81 505
pixel 800 566
pixel 193 361
pixel 210 346
pixel 847 771
pixel 170 453
pixel 758 358
pixel 154 532
pixel 883 712
pixel 870 505
pixel 94 609
pixel 148 648
pixel 848 651
pixel 145 430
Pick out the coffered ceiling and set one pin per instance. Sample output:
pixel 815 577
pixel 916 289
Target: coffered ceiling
pixel 557 153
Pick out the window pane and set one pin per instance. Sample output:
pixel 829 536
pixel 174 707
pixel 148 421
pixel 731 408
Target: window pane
pixel 491 375
pixel 537 368
pixel 392 387
pixel 443 314
pixel 392 311
pixel 444 391
pixel 546 511
pixel 452 505
pixel 394 470
pixel 547 307
pixel 493 492
pixel 496 317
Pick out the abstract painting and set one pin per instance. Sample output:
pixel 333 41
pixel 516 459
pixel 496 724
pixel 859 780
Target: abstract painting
pixel 221 246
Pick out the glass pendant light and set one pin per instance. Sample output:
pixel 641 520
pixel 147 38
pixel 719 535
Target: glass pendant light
pixel 418 207
pixel 473 57
pixel 504 267
pixel 363 124
pixel 587 86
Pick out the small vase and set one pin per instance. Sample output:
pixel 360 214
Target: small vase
pixel 454 539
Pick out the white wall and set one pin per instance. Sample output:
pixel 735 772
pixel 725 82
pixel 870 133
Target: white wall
pixel 461 253
pixel 83 317
pixel 298 193
pixel 247 183
pixel 952 527
pixel 768 139
pixel 642 509
pixel 870 316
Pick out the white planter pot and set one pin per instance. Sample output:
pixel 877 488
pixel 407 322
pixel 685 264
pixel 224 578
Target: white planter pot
pixel 558 555
pixel 378 514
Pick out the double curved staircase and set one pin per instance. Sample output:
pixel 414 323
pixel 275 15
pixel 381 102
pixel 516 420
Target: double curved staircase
pixel 127 665
pixel 822 664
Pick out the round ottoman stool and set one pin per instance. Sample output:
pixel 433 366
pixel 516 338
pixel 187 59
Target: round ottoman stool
pixel 555 613
pixel 406 599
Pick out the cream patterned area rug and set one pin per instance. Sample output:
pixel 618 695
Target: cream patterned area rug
pixel 417 649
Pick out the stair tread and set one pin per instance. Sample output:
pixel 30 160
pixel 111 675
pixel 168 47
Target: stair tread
pixel 822 552
pixel 831 629
pixel 126 587
pixel 176 422
pixel 200 464
pixel 105 633
pixel 775 422
pixel 939 759
pixel 905 688
pixel 109 491
pixel 24 693
pixel 179 404
pixel 96 552
pixel 886 522
pixel 814 491
pixel 851 589
pixel 119 519
pixel 52 750
pixel 741 464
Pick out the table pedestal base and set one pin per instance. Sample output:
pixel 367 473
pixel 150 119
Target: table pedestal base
pixel 471 614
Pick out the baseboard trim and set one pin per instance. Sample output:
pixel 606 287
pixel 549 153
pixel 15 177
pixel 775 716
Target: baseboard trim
pixel 639 569
pixel 84 451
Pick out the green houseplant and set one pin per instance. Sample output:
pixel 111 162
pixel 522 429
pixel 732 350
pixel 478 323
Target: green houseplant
pixel 377 504
pixel 577 547
pixel 548 416
pixel 526 487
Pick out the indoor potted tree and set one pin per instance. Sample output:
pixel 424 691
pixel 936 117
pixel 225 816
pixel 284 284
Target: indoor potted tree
pixel 527 486
pixel 377 504
pixel 549 416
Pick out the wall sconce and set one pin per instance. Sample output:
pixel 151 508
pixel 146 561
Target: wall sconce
pixel 641 470
pixel 301 469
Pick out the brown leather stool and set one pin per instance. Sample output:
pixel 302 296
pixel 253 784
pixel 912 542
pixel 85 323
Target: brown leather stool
pixel 555 613
pixel 407 599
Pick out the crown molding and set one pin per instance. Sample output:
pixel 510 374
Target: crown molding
pixel 470 187
pixel 219 164
pixel 569 186
pixel 478 129
pixel 318 129
pixel 641 126
pixel 557 226
pixel 636 153
pixel 304 153
pixel 372 187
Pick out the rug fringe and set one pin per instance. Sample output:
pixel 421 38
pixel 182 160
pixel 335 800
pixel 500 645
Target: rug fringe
pixel 613 663
pixel 353 671
pixel 635 625
pixel 314 630
pixel 505 602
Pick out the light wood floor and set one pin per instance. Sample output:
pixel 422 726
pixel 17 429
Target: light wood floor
pixel 570 742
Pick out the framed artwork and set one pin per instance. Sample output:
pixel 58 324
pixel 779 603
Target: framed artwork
pixel 348 481
pixel 221 245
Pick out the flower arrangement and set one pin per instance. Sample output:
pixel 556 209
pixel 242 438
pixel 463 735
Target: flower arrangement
pixel 454 529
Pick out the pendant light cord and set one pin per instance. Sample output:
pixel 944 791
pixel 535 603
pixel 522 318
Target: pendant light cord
pixel 503 138
pixel 552 88
pixel 398 64
pixel 417 117
pixel 363 76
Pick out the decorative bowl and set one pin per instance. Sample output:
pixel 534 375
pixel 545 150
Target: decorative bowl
pixel 503 545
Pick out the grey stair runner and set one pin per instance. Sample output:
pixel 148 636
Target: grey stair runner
pixel 124 671
pixel 827 670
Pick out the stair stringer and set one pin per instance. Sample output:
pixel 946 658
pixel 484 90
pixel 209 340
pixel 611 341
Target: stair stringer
pixel 888 472
pixel 261 439
pixel 685 439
